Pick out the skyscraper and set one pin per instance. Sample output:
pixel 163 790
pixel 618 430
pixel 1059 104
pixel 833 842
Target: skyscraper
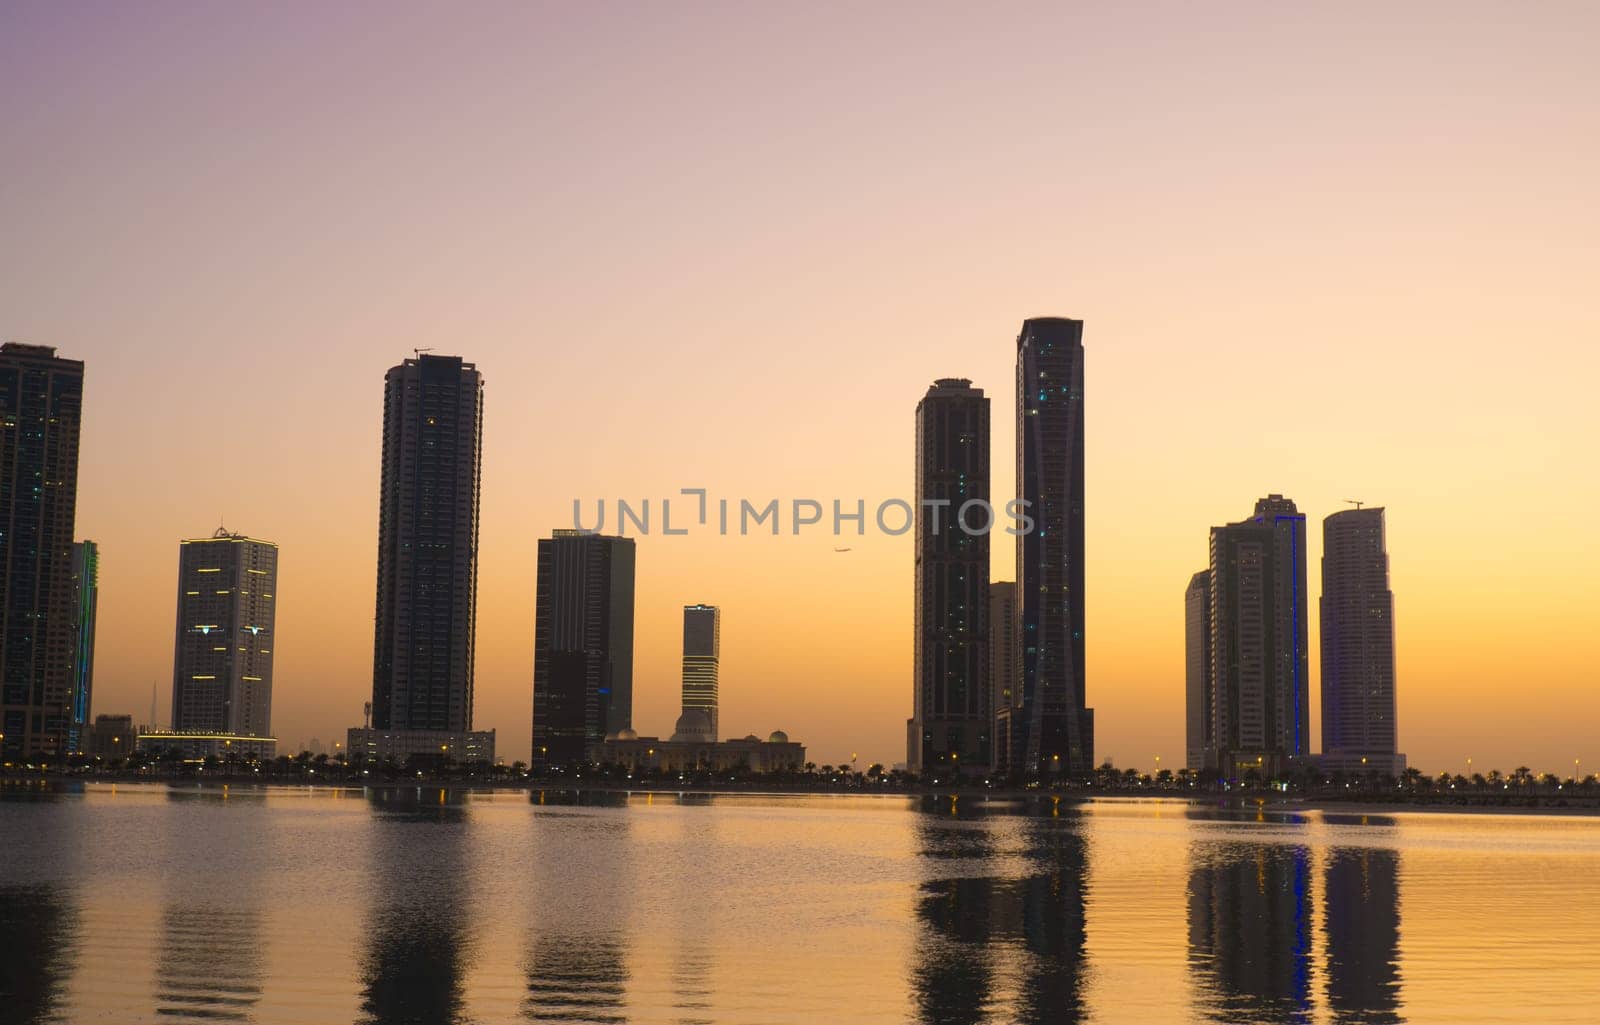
pixel 702 644
pixel 952 720
pixel 1197 669
pixel 85 603
pixel 582 644
pixel 1052 728
pixel 225 636
pixel 1005 678
pixel 1358 695
pixel 422 665
pixel 41 400
pixel 1259 668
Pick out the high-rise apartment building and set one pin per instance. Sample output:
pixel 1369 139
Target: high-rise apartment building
pixel 41 402
pixel 1358 691
pixel 702 646
pixel 1197 669
pixel 582 644
pixel 422 666
pixel 1005 666
pixel 225 636
pixel 952 721
pixel 85 604
pixel 1051 728
pixel 1259 667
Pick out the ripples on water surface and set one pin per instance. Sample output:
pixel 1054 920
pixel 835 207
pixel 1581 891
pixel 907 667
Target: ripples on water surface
pixel 148 904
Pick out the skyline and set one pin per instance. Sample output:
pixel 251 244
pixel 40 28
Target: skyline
pixel 1370 287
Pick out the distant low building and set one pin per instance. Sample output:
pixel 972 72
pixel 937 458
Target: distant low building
pixel 375 745
pixel 775 754
pixel 1352 764
pixel 110 736
pixel 196 746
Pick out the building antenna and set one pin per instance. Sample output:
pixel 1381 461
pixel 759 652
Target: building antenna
pixel 1355 502
pixel 152 704
pixel 419 352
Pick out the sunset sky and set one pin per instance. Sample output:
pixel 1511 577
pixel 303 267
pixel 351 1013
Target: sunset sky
pixel 1340 252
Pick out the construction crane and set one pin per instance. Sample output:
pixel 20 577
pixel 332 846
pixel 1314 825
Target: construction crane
pixel 1355 502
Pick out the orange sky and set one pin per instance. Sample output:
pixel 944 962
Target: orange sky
pixel 1341 253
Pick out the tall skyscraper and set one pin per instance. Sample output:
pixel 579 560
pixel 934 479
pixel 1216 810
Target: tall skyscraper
pixel 952 720
pixel 222 655
pixel 1358 695
pixel 422 665
pixel 702 645
pixel 1051 727
pixel 41 401
pixel 1259 668
pixel 1197 669
pixel 85 602
pixel 582 644
pixel 1005 665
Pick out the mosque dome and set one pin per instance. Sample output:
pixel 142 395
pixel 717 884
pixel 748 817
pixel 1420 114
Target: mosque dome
pixel 694 726
pixel 778 737
pixel 629 734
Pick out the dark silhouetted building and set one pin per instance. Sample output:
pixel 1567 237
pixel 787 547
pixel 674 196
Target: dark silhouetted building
pixel 702 644
pixel 1259 667
pixel 1358 696
pixel 952 719
pixel 110 737
pixel 85 602
pixel 1197 669
pixel 1051 728
pixel 582 644
pixel 422 667
pixel 225 636
pixel 41 400
pixel 1005 658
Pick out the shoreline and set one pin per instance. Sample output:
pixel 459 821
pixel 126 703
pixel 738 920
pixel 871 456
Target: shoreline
pixel 1277 803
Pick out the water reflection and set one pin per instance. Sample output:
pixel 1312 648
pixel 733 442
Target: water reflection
pixel 418 946
pixel 1250 931
pixel 1361 913
pixel 1004 902
pixel 576 979
pixel 577 959
pixel 209 967
pixel 38 950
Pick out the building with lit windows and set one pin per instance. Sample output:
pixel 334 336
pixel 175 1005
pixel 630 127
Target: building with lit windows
pixel 582 644
pixel 952 718
pixel 1259 665
pixel 1358 691
pixel 427 592
pixel 41 403
pixel 1050 728
pixel 371 746
pixel 223 651
pixel 702 643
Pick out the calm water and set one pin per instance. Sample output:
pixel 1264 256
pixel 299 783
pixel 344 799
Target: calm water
pixel 144 904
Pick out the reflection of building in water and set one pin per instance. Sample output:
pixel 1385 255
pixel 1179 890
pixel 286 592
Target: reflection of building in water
pixel 575 978
pixel 418 942
pixel 1053 924
pixel 1250 932
pixel 210 967
pixel 691 981
pixel 1361 913
pixel 979 928
pixel 38 950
